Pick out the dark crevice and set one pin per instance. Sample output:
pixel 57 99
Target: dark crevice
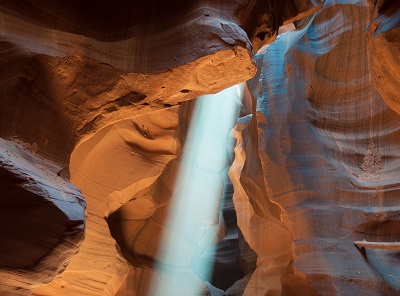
pixel 262 35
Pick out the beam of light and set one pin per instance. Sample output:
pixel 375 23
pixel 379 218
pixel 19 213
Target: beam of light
pixel 194 213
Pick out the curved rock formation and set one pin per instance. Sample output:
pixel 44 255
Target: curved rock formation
pixel 328 148
pixel 82 80
pixel 73 71
pixel 99 93
pixel 42 219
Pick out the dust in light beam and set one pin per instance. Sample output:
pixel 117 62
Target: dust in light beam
pixel 195 209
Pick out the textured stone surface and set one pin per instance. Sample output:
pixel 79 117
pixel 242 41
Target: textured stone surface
pixel 75 69
pixel 77 80
pixel 329 150
pixel 101 94
pixel 42 219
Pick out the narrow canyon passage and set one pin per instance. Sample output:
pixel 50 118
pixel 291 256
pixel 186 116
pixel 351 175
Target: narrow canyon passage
pixel 331 150
pixel 165 230
pixel 193 220
pixel 219 148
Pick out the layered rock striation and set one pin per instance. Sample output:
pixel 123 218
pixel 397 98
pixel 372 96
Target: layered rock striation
pixel 42 219
pixel 328 142
pixel 100 95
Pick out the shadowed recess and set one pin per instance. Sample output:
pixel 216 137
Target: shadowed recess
pixel 24 224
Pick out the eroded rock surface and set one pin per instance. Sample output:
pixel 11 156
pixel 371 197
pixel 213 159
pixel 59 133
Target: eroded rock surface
pixel 78 77
pixel 101 92
pixel 329 150
pixel 74 69
pixel 42 219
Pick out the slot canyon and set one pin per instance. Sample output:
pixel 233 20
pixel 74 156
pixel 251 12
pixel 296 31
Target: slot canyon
pixel 182 148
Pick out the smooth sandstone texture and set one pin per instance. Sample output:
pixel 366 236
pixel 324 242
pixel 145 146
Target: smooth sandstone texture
pixel 77 80
pixel 74 69
pixel 328 144
pixel 139 150
pixel 42 219
pixel 102 94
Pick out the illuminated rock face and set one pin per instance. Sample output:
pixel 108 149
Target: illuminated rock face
pixel 73 70
pixel 72 73
pixel 103 95
pixel 328 145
